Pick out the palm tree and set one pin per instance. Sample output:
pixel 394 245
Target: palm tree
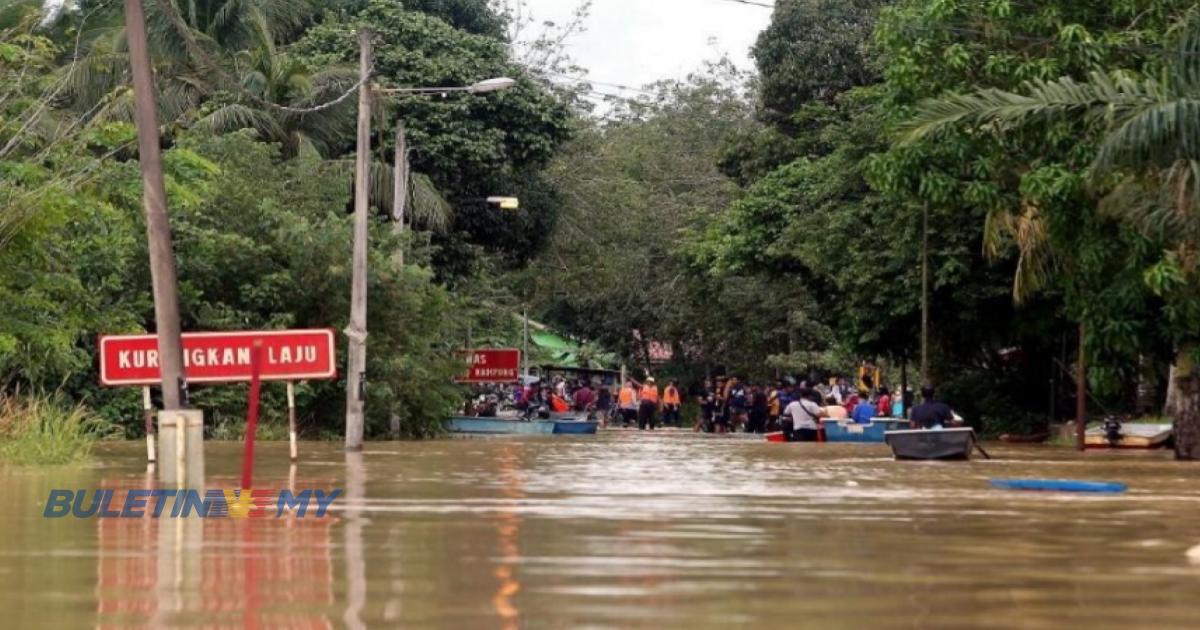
pixel 1149 164
pixel 218 66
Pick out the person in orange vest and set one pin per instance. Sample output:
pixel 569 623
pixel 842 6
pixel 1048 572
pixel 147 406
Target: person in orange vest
pixel 671 404
pixel 627 402
pixel 649 404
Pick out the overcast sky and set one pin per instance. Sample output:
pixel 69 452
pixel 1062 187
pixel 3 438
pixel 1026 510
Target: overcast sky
pixel 634 42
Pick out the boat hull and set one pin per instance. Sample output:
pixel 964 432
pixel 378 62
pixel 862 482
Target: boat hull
pixel 851 431
pixel 575 427
pixel 500 426
pixel 1143 436
pixel 932 444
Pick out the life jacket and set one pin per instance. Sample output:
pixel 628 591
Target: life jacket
pixel 649 394
pixel 558 405
pixel 625 398
pixel 671 395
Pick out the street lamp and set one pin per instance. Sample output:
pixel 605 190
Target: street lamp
pixel 492 85
pixel 479 87
pixel 505 203
pixel 357 330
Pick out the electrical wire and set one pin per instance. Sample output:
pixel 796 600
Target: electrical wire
pixel 752 3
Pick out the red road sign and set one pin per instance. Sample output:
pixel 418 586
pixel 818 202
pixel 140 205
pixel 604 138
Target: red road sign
pixel 221 357
pixel 491 365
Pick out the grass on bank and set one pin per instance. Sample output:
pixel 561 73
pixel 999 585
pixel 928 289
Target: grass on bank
pixel 234 429
pixel 43 429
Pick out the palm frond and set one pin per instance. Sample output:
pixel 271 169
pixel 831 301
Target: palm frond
pixel 1026 231
pixel 1115 97
pixel 1163 205
pixel 236 116
pixel 428 207
pixel 1155 136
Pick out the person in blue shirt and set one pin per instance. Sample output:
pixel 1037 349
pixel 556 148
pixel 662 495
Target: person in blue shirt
pixel 863 412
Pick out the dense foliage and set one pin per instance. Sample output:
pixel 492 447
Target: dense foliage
pixel 752 224
pixel 258 194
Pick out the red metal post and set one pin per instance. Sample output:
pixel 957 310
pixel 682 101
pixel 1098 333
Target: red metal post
pixel 252 415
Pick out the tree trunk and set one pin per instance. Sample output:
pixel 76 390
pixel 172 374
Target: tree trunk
pixel 1187 401
pixel 1172 405
pixel 1147 387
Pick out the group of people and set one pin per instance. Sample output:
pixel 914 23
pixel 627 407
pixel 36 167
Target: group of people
pixel 635 402
pixel 796 409
pixel 727 404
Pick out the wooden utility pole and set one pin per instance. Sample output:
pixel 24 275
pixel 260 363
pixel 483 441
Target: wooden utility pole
pixel 925 298
pixel 154 203
pixel 356 332
pixel 1080 396
pixel 525 344
pixel 400 188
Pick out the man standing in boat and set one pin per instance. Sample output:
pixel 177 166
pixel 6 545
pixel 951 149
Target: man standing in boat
pixel 931 413
pixel 802 417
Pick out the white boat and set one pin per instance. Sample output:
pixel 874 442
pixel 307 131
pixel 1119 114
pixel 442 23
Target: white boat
pixel 1130 435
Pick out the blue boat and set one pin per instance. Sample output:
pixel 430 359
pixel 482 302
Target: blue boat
pixel 1059 485
pixel 501 426
pixel 847 430
pixel 575 427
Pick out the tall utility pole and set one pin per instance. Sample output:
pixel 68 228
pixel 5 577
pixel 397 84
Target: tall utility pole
pixel 356 332
pixel 400 187
pixel 925 298
pixel 154 203
pixel 525 344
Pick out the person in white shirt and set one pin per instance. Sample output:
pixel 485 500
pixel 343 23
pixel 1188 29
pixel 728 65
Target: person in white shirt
pixel 802 417
pixel 837 391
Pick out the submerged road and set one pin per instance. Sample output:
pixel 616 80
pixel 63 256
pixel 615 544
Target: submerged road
pixel 664 529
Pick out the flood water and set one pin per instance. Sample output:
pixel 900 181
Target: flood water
pixel 622 529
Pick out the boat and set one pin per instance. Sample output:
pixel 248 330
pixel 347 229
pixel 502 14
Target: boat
pixel 846 430
pixel 1144 436
pixel 952 443
pixel 575 427
pixel 501 426
pixel 511 424
pixel 1059 485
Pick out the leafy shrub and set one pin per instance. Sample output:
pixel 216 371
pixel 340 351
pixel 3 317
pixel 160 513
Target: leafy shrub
pixel 42 429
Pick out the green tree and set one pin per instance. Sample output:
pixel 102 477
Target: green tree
pixel 1023 191
pixel 620 259
pixel 1147 161
pixel 813 50
pixel 472 147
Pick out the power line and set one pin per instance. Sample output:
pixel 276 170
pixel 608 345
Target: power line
pixel 752 3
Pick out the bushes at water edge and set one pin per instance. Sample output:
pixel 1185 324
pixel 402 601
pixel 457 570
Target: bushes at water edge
pixel 43 429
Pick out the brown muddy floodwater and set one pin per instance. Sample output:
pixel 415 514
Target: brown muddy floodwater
pixel 620 530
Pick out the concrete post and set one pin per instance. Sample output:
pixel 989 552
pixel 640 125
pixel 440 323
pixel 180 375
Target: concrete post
pixel 181 444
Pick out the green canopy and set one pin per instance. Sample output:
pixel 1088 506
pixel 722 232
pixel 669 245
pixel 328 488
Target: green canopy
pixel 566 353
pixel 551 341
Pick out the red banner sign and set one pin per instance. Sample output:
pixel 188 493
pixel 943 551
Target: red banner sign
pixel 222 357
pixel 491 365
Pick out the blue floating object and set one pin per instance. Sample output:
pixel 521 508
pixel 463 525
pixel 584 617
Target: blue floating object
pixel 1058 485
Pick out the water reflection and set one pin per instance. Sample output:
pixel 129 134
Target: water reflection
pixel 356 565
pixel 222 572
pixel 508 529
pixel 621 530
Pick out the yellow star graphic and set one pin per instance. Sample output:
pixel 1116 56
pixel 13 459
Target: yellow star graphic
pixel 240 504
